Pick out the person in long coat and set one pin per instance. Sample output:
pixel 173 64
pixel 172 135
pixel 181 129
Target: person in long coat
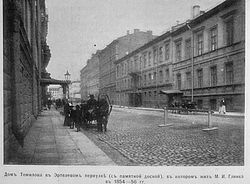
pixel 67 114
pixel 78 117
pixel 103 113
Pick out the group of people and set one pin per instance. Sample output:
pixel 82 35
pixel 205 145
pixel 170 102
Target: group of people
pixel 86 112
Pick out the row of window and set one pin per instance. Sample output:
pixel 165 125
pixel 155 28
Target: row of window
pixel 147 79
pixel 150 58
pixel 229 77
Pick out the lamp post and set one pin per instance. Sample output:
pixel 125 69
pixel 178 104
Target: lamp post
pixel 67 78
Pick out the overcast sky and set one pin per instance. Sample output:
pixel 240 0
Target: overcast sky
pixel 77 28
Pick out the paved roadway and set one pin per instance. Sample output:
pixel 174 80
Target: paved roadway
pixel 135 134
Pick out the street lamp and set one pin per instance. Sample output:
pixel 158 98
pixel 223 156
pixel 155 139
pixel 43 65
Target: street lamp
pixel 67 78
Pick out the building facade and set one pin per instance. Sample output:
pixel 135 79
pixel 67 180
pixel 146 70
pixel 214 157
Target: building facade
pixel 114 51
pixel 83 84
pixel 74 91
pixel 25 55
pixel 90 77
pixel 204 58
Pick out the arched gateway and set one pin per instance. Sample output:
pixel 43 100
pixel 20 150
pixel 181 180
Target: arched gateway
pixel 48 81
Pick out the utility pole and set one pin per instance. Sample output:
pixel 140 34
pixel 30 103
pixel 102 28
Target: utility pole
pixel 192 61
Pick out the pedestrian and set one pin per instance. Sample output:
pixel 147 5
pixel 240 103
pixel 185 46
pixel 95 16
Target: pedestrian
pixel 49 102
pixel 102 115
pixel 91 106
pixel 222 108
pixel 78 117
pixel 66 114
pixel 72 117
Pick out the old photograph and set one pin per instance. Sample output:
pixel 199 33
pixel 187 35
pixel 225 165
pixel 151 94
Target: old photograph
pixel 131 83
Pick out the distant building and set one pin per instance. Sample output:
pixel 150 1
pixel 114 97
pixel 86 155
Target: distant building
pixel 74 91
pixel 25 58
pixel 56 92
pixel 90 77
pixel 203 58
pixel 114 51
pixel 83 84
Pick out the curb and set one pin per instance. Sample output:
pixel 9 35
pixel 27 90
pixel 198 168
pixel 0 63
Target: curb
pixel 162 110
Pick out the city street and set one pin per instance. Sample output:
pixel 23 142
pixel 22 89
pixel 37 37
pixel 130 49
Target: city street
pixel 136 135
pixel 134 138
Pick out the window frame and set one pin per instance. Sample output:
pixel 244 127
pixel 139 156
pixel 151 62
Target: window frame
pixel 200 78
pixel 213 75
pixel 214 38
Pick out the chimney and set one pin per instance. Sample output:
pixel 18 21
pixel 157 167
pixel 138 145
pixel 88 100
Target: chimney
pixel 195 11
pixel 149 32
pixel 136 30
pixel 127 32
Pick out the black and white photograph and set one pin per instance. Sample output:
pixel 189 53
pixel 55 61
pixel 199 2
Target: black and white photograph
pixel 124 91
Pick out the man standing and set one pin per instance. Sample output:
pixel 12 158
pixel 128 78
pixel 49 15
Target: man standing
pixel 222 108
pixel 91 106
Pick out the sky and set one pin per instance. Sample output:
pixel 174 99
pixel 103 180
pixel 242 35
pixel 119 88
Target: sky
pixel 78 28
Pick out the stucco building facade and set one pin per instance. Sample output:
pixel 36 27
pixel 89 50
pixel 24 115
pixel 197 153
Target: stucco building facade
pixel 90 77
pixel 114 51
pixel 204 58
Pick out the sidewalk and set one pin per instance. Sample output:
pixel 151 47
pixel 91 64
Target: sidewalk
pixel 228 114
pixel 50 143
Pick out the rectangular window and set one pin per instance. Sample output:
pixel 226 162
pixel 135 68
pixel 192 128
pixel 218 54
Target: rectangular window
pixel 167 51
pixel 154 76
pixel 178 51
pixel 213 104
pixel 229 73
pixel 179 81
pixel 160 54
pixel 145 79
pixel 199 104
pixel 145 60
pixel 160 76
pixel 189 80
pixel 125 68
pixel 213 37
pixel 188 48
pixel 199 44
pixel 200 77
pixel 167 74
pixel 128 69
pixel 149 58
pixel 136 64
pixel 213 71
pixel 155 56
pixel 229 32
pixel 149 78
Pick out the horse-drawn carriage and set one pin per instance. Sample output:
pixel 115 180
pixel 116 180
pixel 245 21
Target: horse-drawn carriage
pixel 95 113
pixel 89 114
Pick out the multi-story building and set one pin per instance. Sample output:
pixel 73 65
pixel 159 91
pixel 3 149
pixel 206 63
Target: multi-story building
pixel 90 77
pixel 203 58
pixel 56 92
pixel 114 51
pixel 144 72
pixel 74 91
pixel 83 84
pixel 25 55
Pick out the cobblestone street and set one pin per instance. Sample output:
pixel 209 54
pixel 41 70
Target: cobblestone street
pixel 136 135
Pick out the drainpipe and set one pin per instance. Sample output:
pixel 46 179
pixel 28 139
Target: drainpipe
pixel 192 61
